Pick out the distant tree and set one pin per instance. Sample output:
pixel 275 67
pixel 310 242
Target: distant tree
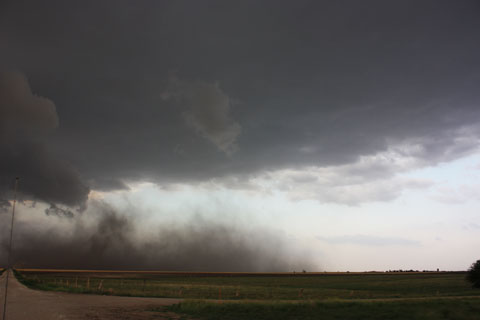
pixel 473 274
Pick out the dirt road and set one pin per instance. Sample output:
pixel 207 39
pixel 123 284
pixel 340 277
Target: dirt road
pixel 27 304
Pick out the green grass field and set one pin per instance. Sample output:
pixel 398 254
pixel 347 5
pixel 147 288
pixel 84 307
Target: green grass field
pixel 430 309
pixel 282 296
pixel 271 287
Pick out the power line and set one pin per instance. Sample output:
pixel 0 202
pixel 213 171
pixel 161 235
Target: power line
pixel 10 248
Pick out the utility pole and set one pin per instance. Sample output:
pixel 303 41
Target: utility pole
pixel 10 248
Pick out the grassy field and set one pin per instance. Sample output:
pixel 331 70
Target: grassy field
pixel 427 309
pixel 255 287
pixel 433 295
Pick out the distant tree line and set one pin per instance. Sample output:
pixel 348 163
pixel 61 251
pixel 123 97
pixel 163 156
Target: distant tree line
pixel 411 270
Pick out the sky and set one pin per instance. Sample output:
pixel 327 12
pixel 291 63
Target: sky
pixel 241 135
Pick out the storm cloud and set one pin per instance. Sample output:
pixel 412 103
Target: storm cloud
pixel 323 100
pixel 305 84
pixel 26 120
pixel 104 238
pixel 207 110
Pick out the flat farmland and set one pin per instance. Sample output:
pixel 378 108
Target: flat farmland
pixel 253 286
pixel 277 296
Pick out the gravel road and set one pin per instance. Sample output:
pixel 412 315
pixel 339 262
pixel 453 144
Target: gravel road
pixel 27 304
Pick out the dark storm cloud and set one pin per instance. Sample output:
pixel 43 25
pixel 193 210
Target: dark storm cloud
pixel 207 110
pixel 22 112
pixel 103 238
pixel 58 211
pixel 261 86
pixel 25 121
pixel 315 83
